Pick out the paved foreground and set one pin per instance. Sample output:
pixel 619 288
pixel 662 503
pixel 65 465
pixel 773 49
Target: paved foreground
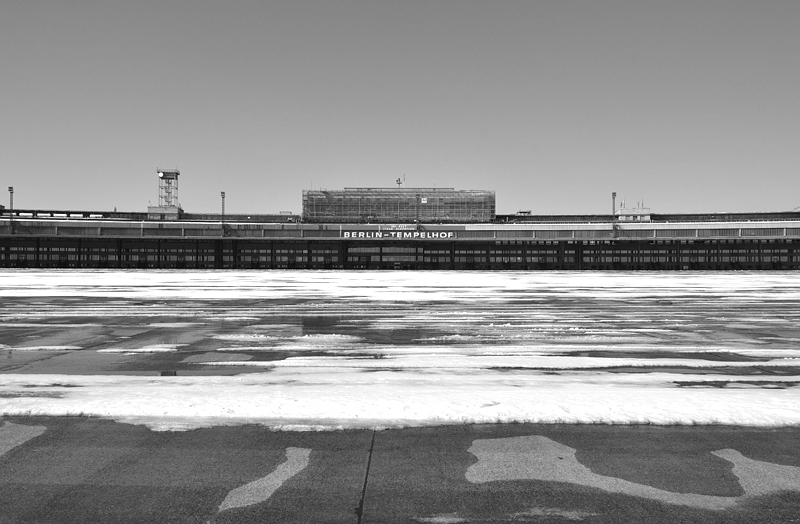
pixel 78 470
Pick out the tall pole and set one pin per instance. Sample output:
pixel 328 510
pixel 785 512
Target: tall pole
pixel 11 212
pixel 614 214
pixel 222 194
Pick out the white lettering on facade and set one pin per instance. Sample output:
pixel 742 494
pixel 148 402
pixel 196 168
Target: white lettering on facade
pixel 411 235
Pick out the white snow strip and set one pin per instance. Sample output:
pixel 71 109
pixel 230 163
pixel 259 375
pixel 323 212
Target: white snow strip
pixel 329 398
pixel 245 336
pixel 456 361
pixel 173 324
pixel 434 286
pixel 248 348
pixel 156 348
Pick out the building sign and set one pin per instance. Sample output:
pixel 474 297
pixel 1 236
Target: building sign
pixel 400 235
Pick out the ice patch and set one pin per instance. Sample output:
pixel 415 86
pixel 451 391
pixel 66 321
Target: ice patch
pixel 212 357
pixel 443 360
pixel 442 518
pixel 156 348
pixel 13 435
pixel 537 457
pixel 262 489
pixel 248 348
pixel 328 338
pixel 539 513
pixel 319 341
pixel 454 339
pixel 245 336
pixel 174 324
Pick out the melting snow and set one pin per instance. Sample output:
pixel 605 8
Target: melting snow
pixel 470 356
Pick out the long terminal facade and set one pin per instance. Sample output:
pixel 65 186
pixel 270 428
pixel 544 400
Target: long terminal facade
pixel 625 240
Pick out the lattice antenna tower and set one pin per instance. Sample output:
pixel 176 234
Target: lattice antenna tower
pixel 168 187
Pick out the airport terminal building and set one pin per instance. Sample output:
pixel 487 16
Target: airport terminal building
pixel 399 228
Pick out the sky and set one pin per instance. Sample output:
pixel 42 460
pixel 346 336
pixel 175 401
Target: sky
pixel 686 106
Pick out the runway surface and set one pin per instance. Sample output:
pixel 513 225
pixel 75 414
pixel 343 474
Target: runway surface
pixel 77 470
pixel 183 381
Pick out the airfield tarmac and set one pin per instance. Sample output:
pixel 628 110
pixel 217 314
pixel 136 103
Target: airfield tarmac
pixel 77 470
pixel 426 393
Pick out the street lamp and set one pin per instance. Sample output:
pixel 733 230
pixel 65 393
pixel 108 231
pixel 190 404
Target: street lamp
pixel 11 211
pixel 222 194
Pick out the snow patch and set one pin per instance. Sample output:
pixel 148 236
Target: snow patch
pixel 329 398
pixel 156 348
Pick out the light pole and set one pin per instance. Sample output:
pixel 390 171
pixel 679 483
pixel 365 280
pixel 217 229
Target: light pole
pixel 614 225
pixel 222 194
pixel 11 211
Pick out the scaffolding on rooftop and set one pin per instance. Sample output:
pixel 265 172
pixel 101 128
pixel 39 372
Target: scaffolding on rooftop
pixel 398 205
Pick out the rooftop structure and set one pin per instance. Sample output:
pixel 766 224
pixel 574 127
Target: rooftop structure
pixel 398 205
pixel 168 187
pixel 636 214
pixel 168 207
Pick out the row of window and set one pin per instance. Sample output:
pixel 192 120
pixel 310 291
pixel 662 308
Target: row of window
pixel 533 251
pixel 286 261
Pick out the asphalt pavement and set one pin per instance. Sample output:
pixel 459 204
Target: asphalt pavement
pixel 79 470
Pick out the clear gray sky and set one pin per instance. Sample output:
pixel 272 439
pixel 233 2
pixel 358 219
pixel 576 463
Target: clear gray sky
pixel 691 105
